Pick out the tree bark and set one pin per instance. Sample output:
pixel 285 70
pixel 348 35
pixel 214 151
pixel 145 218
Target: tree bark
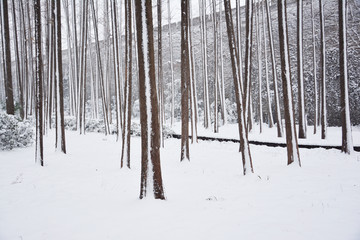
pixel 60 124
pixel 244 143
pixel 39 155
pixel 347 145
pixel 300 71
pixel 9 95
pixel 125 155
pixel 149 112
pixel 276 91
pixel 185 79
pixel 291 139
pixel 323 72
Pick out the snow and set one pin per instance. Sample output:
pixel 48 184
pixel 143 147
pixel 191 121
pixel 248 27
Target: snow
pixel 85 195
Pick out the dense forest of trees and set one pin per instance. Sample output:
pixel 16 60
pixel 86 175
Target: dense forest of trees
pixel 291 61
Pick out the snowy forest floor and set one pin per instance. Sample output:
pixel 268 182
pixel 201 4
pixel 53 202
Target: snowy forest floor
pixel 85 195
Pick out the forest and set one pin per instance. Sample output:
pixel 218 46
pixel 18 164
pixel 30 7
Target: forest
pixel 242 115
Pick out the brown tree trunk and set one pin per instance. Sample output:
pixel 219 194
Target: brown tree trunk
pixel 185 79
pixel 9 95
pixel 149 111
pixel 244 143
pixel 301 96
pixel 125 155
pixel 60 125
pixel 39 156
pixel 291 139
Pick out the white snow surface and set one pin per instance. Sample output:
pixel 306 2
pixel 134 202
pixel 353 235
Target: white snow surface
pixel 85 195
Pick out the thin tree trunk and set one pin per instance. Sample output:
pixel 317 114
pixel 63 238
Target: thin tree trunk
pixel 185 78
pixel 270 114
pixel 323 72
pixel 171 65
pixel 160 71
pixel 9 95
pixel 102 82
pixel 248 55
pixel 274 74
pixel 39 156
pixel 205 68
pixel 258 48
pixel 60 125
pixel 291 139
pixel 316 104
pixel 347 144
pixel 192 85
pixel 301 96
pixel 17 60
pixel 244 143
pixel 216 126
pixel 125 154
pixel 222 87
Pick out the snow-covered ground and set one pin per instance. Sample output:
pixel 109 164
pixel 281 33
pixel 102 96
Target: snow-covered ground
pixel 85 195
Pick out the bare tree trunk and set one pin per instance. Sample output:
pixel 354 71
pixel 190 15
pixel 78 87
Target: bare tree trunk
pixel 205 67
pixel 316 104
pixel 17 60
pixel 347 144
pixel 239 46
pixel 160 71
pixel 102 82
pixel 258 48
pixel 291 139
pixel 39 156
pixel 301 96
pixel 149 112
pixel 216 79
pixel 244 143
pixel 222 87
pixel 185 79
pixel 323 72
pixel 171 65
pixel 270 114
pixel 9 95
pixel 72 78
pixel 276 91
pixel 60 124
pixel 116 67
pixel 192 85
pixel 248 56
pixel 125 154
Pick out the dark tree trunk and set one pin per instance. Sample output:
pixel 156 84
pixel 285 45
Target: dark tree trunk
pixel 39 156
pixel 149 112
pixel 185 79
pixel 323 72
pixel 291 139
pixel 301 96
pixel 60 125
pixel 125 155
pixel 9 95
